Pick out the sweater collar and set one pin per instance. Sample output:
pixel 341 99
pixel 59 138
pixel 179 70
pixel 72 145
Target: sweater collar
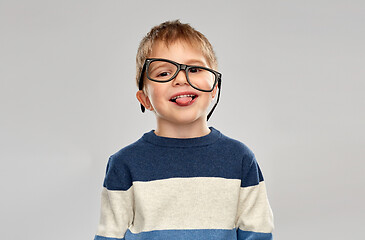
pixel 208 139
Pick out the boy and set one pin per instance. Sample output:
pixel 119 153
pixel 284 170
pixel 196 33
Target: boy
pixel 184 180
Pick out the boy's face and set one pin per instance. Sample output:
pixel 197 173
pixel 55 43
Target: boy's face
pixel 158 95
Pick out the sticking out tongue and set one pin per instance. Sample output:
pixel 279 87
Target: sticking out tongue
pixel 184 101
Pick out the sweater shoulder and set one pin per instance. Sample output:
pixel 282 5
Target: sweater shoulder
pixel 236 146
pixel 251 174
pixel 118 171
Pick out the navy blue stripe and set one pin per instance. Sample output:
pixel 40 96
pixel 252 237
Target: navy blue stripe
pixel 145 161
pixel 248 235
pixel 97 237
pixel 196 234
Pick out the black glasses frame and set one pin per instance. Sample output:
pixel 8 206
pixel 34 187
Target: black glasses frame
pixel 148 61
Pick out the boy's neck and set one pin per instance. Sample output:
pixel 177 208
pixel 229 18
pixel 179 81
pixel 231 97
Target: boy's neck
pixel 191 130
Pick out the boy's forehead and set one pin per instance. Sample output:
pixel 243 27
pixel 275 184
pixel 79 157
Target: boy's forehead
pixel 180 47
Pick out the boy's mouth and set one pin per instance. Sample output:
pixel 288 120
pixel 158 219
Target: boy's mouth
pixel 183 99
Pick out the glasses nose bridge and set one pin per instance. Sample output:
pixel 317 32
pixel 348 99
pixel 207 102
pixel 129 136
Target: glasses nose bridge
pixel 183 66
pixel 179 68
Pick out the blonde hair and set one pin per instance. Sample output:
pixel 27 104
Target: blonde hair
pixel 169 32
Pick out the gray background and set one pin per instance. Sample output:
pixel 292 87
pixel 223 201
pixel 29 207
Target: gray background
pixel 293 86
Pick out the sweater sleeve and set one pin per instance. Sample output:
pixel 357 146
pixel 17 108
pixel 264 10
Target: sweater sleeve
pixel 116 213
pixel 254 215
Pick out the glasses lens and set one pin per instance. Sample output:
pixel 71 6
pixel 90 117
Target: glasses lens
pixel 161 70
pixel 201 78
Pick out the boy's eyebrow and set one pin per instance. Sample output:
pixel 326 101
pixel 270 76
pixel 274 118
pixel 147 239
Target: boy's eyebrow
pixel 195 62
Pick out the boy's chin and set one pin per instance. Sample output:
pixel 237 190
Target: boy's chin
pixel 185 119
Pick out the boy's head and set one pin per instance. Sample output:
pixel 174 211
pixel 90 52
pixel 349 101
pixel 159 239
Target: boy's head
pixel 176 73
pixel 168 33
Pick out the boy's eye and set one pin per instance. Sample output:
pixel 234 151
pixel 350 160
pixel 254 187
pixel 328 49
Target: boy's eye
pixel 194 70
pixel 163 74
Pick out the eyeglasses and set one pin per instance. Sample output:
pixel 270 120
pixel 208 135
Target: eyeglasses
pixel 164 70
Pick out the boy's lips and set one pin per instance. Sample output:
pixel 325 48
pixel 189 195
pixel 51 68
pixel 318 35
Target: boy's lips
pixel 184 98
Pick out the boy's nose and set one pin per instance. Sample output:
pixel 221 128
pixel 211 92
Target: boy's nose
pixel 180 79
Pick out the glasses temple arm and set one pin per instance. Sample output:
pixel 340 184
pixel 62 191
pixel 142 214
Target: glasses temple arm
pixel 215 105
pixel 141 84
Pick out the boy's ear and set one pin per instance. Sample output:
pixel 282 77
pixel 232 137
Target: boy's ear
pixel 214 92
pixel 144 100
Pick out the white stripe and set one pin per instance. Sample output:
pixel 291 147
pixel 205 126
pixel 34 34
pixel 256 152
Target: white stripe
pixel 116 213
pixel 185 203
pixel 254 212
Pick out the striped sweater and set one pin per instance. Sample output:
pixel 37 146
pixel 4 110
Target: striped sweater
pixel 204 188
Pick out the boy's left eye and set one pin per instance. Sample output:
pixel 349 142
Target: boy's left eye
pixel 194 70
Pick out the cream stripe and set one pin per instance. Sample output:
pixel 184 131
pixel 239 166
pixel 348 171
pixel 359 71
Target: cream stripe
pixel 116 213
pixel 186 203
pixel 254 212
